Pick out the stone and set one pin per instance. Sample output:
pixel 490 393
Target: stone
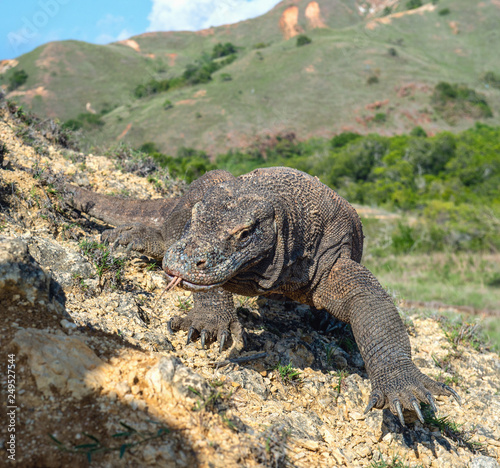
pixel 61 362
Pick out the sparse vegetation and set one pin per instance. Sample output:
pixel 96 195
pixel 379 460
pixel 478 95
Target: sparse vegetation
pixel 372 79
pixel 454 100
pixel 195 73
pixel 380 117
pixel 491 79
pixel 96 446
pixel 444 11
pixel 107 266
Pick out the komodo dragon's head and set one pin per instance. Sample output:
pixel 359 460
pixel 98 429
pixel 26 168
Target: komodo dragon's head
pixel 232 233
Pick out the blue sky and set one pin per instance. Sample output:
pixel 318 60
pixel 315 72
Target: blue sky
pixel 26 24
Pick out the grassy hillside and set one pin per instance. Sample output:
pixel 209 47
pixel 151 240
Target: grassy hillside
pixel 363 72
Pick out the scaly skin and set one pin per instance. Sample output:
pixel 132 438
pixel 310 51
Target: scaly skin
pixel 278 230
pixel 150 227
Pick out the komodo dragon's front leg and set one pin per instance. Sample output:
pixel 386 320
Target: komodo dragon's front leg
pixel 150 227
pixel 352 294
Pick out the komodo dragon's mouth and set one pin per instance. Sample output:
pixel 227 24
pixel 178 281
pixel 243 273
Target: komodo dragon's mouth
pixel 176 280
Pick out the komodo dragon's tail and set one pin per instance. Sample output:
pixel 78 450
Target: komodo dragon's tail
pixel 118 211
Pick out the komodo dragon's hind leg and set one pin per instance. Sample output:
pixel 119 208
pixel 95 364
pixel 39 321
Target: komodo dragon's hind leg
pixel 212 317
pixel 352 294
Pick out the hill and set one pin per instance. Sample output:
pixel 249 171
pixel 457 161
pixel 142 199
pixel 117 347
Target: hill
pixel 371 66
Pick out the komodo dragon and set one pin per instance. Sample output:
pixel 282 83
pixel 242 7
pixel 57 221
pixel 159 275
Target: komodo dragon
pixel 273 230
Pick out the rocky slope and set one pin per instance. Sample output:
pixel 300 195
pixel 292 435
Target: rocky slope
pixel 99 379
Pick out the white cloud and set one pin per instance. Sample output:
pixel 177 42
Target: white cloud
pixel 192 15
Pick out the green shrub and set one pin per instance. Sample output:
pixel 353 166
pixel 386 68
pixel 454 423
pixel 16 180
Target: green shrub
pixel 303 40
pixel 444 11
pixel 223 50
pixel 380 117
pixel 386 11
pixel 392 52
pixel 17 79
pixel 84 120
pixel 167 104
pixel 342 139
pixel 372 79
pixel 455 100
pixel 418 132
pixel 491 79
pixel 412 4
pixel 260 45
pixel 226 77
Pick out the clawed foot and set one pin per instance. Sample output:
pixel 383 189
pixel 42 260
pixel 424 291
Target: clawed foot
pixel 136 237
pixel 406 391
pixel 209 327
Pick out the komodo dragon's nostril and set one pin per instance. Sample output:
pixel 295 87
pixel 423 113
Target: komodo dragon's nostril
pixel 201 264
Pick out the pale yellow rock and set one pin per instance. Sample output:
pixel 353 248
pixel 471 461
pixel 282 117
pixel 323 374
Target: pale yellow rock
pixel 61 361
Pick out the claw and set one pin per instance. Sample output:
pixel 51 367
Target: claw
pixel 190 335
pixel 453 394
pixel 397 404
pixel 431 401
pixel 371 403
pixel 169 327
pixel 416 407
pixel 223 338
pixel 203 337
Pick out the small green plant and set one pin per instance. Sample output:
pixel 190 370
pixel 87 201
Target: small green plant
pixel 394 462
pixel 95 446
pixel 303 40
pixel 372 79
pixel 451 429
pixel 464 333
pixel 184 303
pixel 260 45
pixel 226 77
pixel 412 4
pixel 103 261
pixel 380 117
pixel 167 104
pixel 444 11
pixel 288 374
pixel 17 79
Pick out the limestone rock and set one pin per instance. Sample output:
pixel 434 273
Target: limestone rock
pixel 170 373
pixel 61 362
pixel 62 263
pixel 23 284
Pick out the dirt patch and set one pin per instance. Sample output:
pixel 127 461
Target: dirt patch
pixel 310 69
pixel 377 104
pixel 31 93
pixel 131 43
pixel 313 14
pixel 454 27
pixel 122 134
pixel 206 32
pixel 171 59
pixel 7 65
pixel 200 93
pixel 186 102
pixel 388 19
pixel 289 22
